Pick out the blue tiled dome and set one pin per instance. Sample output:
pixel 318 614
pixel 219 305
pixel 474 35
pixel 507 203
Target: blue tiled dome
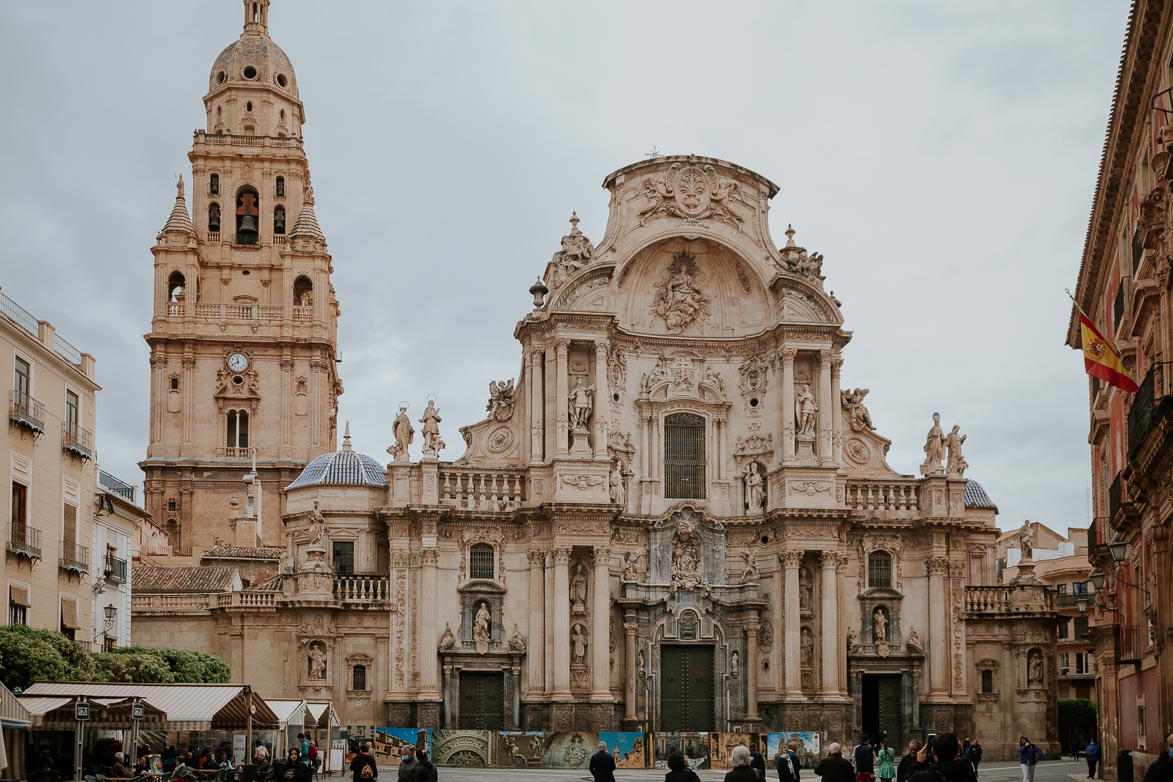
pixel 342 468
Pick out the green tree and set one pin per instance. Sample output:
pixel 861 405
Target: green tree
pixel 131 667
pixel 1077 723
pixel 186 666
pixel 28 655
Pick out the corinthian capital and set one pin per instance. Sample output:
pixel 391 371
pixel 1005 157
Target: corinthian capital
pixel 937 566
pixel 791 558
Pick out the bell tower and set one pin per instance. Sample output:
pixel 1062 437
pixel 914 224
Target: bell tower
pixel 243 337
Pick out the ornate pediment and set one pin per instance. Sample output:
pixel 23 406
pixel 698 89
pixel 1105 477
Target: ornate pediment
pixel 685 377
pixel 692 192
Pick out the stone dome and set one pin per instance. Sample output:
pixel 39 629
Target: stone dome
pixel 253 59
pixel 342 468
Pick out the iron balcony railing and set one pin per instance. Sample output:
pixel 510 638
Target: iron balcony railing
pixel 74 557
pixel 27 321
pixel 115 570
pixel 1072 600
pixel 1142 412
pixel 79 441
pixel 1131 643
pixel 1115 497
pixel 25 411
pixel 116 485
pixel 24 541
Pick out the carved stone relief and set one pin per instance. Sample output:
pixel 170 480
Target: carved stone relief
pixel 680 300
pixel 692 193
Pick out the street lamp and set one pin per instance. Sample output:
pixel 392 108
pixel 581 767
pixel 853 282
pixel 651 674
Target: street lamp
pixel 111 615
pixel 1097 578
pixel 1119 551
pixel 1081 604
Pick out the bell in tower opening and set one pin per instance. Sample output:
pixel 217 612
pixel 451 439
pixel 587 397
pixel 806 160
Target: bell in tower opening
pixel 247 209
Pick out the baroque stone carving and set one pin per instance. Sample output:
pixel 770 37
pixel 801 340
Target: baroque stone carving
pixel 578 590
pixel 857 412
pixel 515 641
pixel 577 251
pixel 580 405
pixel 631 565
pixel 750 574
pixel 431 430
pixel 499 440
pixel 956 465
pixel 805 412
pixel 692 193
pixel 680 302
pixel 404 433
pixel 755 495
pixel 316 659
pixel 482 628
pixel 934 449
pixel 617 490
pixel 582 481
pixel 798 261
pixel 755 376
pixel 500 406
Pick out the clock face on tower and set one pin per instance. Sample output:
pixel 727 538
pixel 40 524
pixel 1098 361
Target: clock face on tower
pixel 238 362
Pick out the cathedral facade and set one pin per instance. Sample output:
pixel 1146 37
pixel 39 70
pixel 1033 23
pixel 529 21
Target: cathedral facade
pixel 676 517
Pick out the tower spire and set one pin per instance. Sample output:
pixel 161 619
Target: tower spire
pixel 179 219
pixel 256 17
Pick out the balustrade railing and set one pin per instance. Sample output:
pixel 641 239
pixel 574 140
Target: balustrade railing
pixel 248 600
pixel 1000 599
pixel 487 490
pixel 882 495
pixel 169 603
pixel 362 589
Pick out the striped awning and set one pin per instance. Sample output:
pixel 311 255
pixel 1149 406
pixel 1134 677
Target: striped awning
pixel 57 712
pixel 13 715
pixel 186 706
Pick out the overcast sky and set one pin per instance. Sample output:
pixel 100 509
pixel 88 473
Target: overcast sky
pixel 941 155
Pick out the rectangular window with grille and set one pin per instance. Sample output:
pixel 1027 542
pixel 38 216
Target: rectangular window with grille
pixel 684 457
pixel 480 561
pixel 987 681
pixel 1081 627
pixel 879 571
pixel 359 678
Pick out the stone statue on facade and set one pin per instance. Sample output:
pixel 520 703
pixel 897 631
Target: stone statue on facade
pixel 447 639
pixel 500 406
pixel 481 631
pixel 934 449
pixel 735 664
pixel 805 590
pixel 956 465
pixel 631 562
pixel 852 639
pixel 618 492
pixel 1034 674
pixel 750 574
pixel 317 526
pixel 515 641
pixel 431 429
pixel 805 412
pixel 879 626
pixel 808 648
pixel 578 591
pixel 679 300
pixel 317 660
pixel 1026 537
pixel 857 413
pixel 913 641
pixel 755 495
pixel 640 665
pixel 577 251
pixel 404 433
pixel 578 644
pixel 581 404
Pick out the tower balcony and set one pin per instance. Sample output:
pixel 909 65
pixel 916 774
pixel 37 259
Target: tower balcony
pixel 235 140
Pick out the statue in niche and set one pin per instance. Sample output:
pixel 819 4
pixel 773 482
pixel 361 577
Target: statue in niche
pixel 857 413
pixel 1034 672
pixel 679 301
pixel 805 411
pixel 805 590
pixel 879 625
pixel 640 665
pixel 956 464
pixel 808 648
pixel 431 430
pixel 735 664
pixel 852 639
pixel 481 630
pixel 578 591
pixel 581 405
pixel 578 644
pixel 934 448
pixel 317 526
pixel 1026 537
pixel 631 562
pixel 404 433
pixel 755 495
pixel 515 641
pixel 618 492
pixel 685 572
pixel 447 639
pixel 749 572
pixel 317 660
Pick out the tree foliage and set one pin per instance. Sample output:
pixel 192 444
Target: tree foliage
pixel 1077 722
pixel 28 655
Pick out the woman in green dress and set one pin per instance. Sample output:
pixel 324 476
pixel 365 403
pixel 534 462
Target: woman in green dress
pixel 885 762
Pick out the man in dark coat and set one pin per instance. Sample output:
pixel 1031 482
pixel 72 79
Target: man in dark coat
pixel 1162 768
pixel 908 764
pixel 865 760
pixel 787 764
pixel 947 766
pixel 834 768
pixel 364 760
pixel 602 766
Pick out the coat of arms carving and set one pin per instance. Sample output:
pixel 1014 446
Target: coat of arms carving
pixel 692 193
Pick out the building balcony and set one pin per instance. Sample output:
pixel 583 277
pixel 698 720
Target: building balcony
pixel 78 441
pixel 24 541
pixel 114 569
pixel 26 412
pixel 362 590
pixel 116 486
pixel 1071 601
pixel 74 558
pixel 486 490
pixel 1131 642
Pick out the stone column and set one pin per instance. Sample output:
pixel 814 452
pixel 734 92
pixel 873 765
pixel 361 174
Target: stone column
pixel 751 670
pixel 535 658
pixel 938 642
pixel 561 400
pixel 829 560
pixel 537 408
pixel 630 631
pixel 429 687
pixel 826 413
pixel 561 556
pixel 788 422
pixel 602 412
pixel 791 562
pixel 601 626
pixel 836 417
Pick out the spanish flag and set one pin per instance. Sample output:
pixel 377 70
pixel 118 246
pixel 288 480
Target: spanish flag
pixel 1099 360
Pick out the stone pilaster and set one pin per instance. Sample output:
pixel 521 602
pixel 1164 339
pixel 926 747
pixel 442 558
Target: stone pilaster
pixel 537 407
pixel 425 635
pixel 536 648
pixel 938 641
pixel 561 400
pixel 601 626
pixel 751 671
pixel 561 557
pixel 826 411
pixel 630 657
pixel 788 422
pixel 602 412
pixel 791 562
pixel 836 418
pixel 830 561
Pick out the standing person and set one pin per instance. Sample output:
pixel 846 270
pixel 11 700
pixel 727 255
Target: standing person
pixel 742 770
pixel 1028 757
pixel 757 763
pixel 407 766
pixel 293 770
pixel 975 754
pixel 787 764
pixel 947 762
pixel 833 768
pixel 865 760
pixel 908 764
pixel 1161 769
pixel 363 767
pixel 885 761
pixel 1093 758
pixel 425 770
pixel 602 765
pixel 678 770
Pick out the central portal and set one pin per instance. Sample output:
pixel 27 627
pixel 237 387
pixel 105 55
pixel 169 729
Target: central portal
pixel 883 709
pixel 482 700
pixel 686 701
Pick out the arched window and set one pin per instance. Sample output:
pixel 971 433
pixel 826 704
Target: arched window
pixel 358 678
pixel 247 212
pixel 238 429
pixel 281 180
pixel 684 456
pixel 303 292
pixel 214 218
pixel 175 287
pixel 480 561
pixel 879 570
pixel 214 184
pixel 279 221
